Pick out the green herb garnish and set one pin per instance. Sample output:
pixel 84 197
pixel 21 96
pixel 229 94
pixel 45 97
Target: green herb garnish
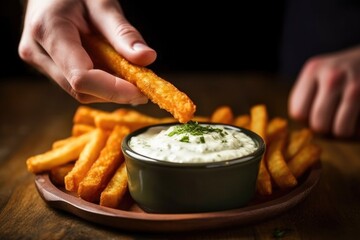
pixel 185 139
pixel 195 129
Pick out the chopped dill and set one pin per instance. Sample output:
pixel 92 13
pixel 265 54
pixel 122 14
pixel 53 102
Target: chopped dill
pixel 185 139
pixel 195 129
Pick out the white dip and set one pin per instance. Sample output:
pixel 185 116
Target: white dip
pixel 193 143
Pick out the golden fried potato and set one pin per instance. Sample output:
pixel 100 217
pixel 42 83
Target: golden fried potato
pixel 58 156
pixel 298 139
pixel 258 124
pixel 132 119
pixel 304 159
pixel 86 115
pixel 116 188
pixel 79 129
pixel 104 167
pixel 222 114
pixel 57 174
pixel 86 159
pixel 242 121
pixel 277 165
pixel 277 126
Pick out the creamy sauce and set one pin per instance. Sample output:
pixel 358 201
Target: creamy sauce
pixel 171 145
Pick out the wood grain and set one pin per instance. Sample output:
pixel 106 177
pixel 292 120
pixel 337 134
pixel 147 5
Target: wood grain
pixel 36 113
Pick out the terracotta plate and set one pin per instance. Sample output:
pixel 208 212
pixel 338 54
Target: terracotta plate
pixel 130 217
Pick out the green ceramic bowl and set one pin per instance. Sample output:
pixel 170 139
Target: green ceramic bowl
pixel 168 187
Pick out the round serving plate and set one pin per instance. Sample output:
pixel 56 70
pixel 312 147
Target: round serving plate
pixel 130 217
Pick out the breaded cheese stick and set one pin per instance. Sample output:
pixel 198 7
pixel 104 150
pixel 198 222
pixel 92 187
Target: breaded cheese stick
pixel 158 90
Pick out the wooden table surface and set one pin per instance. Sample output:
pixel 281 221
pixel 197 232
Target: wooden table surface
pixel 36 113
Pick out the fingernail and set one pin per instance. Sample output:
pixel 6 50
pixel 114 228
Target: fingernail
pixel 141 47
pixel 139 100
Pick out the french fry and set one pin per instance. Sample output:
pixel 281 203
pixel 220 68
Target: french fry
pixel 167 120
pixel 158 90
pixel 297 140
pixel 86 115
pixel 277 126
pixel 116 188
pixel 222 114
pixel 242 121
pixel 79 129
pixel 277 165
pixel 304 159
pixel 121 111
pixel 201 119
pixel 258 124
pixel 58 156
pixel 57 174
pixel 133 120
pixel 90 161
pixel 62 142
pixel 104 167
pixel 87 157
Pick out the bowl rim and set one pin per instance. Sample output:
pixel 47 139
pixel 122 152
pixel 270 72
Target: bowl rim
pixel 127 150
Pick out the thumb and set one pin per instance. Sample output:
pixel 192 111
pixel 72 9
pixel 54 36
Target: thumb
pixel 109 19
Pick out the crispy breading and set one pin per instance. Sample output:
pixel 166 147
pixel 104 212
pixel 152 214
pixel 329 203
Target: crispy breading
pixel 158 90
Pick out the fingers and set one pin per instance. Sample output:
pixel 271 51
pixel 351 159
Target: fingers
pixel 109 19
pixel 347 117
pixel 322 114
pixel 107 87
pixel 303 93
pixel 52 44
pixel 327 96
pixel 78 70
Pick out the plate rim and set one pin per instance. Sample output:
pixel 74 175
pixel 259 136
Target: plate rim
pixel 163 222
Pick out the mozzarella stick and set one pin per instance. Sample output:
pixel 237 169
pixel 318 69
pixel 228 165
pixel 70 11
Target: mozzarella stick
pixel 158 90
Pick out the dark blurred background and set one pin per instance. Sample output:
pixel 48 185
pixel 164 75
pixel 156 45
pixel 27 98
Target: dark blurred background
pixel 220 35
pixel 10 20
pixel 188 35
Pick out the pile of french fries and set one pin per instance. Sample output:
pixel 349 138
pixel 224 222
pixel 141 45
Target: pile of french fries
pixel 90 164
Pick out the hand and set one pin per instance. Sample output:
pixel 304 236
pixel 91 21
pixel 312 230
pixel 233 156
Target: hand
pixel 51 42
pixel 327 94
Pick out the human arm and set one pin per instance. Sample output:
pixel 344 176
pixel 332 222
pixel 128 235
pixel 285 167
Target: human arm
pixel 51 42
